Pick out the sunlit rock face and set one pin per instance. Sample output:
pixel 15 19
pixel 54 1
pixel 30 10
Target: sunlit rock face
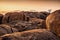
pixel 6 29
pixel 23 16
pixel 1 17
pixel 53 22
pixel 11 16
pixel 37 34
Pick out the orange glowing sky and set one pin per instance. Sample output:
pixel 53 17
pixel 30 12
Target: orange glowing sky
pixel 29 5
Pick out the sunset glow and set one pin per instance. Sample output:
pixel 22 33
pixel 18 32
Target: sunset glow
pixel 29 5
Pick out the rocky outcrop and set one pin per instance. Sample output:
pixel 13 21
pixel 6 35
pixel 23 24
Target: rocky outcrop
pixel 12 16
pixel 34 23
pixel 53 22
pixel 6 29
pixel 37 34
pixel 39 15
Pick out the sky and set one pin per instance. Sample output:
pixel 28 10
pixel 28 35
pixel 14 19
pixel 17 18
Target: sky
pixel 33 5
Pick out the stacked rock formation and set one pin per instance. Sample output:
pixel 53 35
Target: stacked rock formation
pixel 27 25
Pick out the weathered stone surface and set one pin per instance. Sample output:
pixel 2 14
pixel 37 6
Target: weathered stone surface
pixel 12 16
pixel 37 34
pixel 34 23
pixel 39 22
pixel 39 15
pixel 53 22
pixel 23 16
pixel 6 29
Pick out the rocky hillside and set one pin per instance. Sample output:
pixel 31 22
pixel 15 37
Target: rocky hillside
pixel 27 25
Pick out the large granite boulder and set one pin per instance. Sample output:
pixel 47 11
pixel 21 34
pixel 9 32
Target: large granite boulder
pixel 53 22
pixel 37 34
pixel 12 16
pixel 6 29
